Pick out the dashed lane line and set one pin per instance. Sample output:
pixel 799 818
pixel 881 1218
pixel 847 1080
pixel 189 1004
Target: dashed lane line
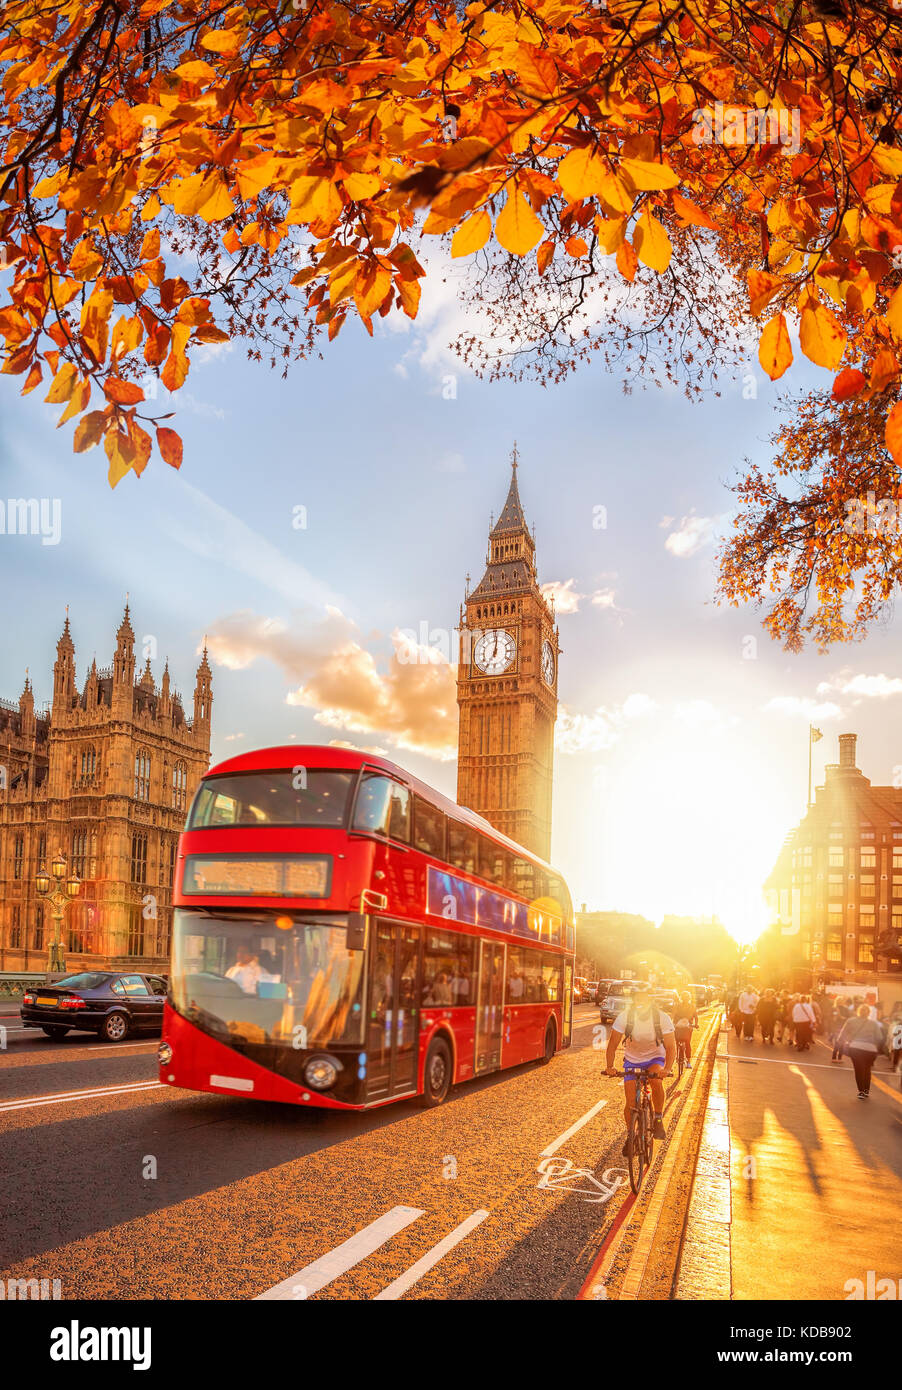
pixel 334 1263
pixel 432 1257
pixel 574 1128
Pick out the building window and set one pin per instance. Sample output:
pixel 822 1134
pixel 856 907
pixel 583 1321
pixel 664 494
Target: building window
pixel 804 857
pixel 835 885
pixel 897 856
pixel 39 927
pixel 866 949
pixel 868 856
pixel 897 887
pixel 139 858
pixel 135 942
pixel 172 853
pixel 179 787
pixel 866 919
pixel 834 915
pixel 42 848
pixel 834 946
pixel 866 886
pixel 15 928
pixel 18 855
pixel 142 776
pixel 88 764
pixel 897 921
pixel 79 851
pixel 836 858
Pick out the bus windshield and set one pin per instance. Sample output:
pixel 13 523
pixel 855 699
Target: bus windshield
pixel 298 796
pixel 247 980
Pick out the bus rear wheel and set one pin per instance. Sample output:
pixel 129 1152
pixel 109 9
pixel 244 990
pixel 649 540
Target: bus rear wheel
pixel 550 1043
pixel 436 1074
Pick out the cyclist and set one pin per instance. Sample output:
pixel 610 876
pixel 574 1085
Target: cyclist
pixel 685 1018
pixel 648 1046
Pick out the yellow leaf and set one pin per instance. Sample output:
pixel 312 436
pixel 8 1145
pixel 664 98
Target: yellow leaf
pixel 518 229
pixel 150 208
pixel 774 348
pixel 581 173
pixel 197 71
pixel 313 200
pixel 610 233
pixel 648 176
pixel 894 313
pixel 822 338
pixel 472 235
pixel 63 384
pixel 652 243
pixel 616 196
pixel 362 185
pixel 221 41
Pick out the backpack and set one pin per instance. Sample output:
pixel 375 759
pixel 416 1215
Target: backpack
pixel 631 1023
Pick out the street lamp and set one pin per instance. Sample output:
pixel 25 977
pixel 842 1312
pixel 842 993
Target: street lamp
pixel 58 896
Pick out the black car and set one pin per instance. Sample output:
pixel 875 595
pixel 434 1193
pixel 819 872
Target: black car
pixel 97 1001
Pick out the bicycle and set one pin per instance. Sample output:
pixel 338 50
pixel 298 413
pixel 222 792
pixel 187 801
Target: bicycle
pixel 681 1058
pixel 640 1139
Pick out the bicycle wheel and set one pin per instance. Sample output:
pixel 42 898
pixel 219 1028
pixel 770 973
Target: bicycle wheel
pixel 681 1059
pixel 649 1136
pixel 635 1153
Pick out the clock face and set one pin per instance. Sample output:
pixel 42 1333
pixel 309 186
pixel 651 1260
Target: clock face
pixel 548 663
pixel 495 651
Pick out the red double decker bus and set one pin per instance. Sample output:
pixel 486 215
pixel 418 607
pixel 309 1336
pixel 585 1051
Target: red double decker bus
pixel 345 936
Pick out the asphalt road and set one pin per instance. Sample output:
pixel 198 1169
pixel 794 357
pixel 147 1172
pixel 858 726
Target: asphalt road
pixel 120 1188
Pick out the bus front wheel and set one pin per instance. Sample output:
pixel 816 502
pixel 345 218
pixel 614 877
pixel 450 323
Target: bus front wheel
pixel 437 1073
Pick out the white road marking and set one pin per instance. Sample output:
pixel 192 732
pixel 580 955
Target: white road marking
pixel 336 1262
pixel 412 1276
pixel 112 1049
pixel 92 1093
pixel 568 1133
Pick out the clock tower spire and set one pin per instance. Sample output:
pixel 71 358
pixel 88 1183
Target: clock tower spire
pixel 507 686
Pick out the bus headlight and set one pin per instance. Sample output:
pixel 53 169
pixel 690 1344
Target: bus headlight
pixel 164 1054
pixel 321 1073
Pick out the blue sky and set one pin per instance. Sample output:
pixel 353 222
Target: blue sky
pixel 681 762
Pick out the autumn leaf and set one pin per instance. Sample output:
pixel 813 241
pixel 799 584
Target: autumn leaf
pixel 89 431
pixel 894 433
pixel 581 173
pixel 774 348
pixel 884 369
pixel 122 392
pixel 821 337
pixel 627 261
pixel 848 384
pixel 170 446
pixel 472 235
pixel 645 175
pixel 518 229
pixel 652 243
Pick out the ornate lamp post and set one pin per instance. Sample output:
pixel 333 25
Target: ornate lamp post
pixel 58 895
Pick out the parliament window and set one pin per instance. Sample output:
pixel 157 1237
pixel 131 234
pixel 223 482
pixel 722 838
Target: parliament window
pixel 139 858
pixel 18 855
pixel 142 776
pixel 179 787
pixel 135 940
pixel 15 927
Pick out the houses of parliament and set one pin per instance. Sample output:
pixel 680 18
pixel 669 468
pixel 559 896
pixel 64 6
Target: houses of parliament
pixel 105 774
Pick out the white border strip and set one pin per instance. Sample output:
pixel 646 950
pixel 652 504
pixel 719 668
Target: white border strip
pixel 568 1133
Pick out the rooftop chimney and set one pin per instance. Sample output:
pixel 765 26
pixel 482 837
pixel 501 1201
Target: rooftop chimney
pixel 847 750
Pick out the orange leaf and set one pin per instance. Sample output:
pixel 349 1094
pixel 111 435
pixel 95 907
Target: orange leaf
pixel 122 392
pixel 885 368
pixel 822 337
pixel 517 228
pixel 88 431
pixel 472 235
pixel 170 446
pixel 690 213
pixel 544 255
pixel 774 348
pixel 627 261
pixel 894 433
pixel 848 383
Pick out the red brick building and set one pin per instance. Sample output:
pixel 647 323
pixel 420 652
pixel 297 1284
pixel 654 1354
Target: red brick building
pixel 837 884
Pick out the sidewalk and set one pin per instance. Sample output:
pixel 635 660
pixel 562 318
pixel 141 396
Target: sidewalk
pixel 799 1182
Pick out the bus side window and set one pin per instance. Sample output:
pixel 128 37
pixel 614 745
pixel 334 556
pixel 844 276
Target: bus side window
pixel 525 878
pixel 399 813
pixel 494 863
pixel 462 847
pixel 428 828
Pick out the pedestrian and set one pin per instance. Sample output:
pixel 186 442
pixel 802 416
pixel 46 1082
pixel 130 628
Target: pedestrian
pixel 862 1037
pixel 841 1012
pixel 768 1009
pixel 895 1040
pixel 788 1034
pixel 748 1003
pixel 803 1017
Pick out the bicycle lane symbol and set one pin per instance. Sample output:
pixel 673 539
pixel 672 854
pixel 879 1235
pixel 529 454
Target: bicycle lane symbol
pixel 560 1173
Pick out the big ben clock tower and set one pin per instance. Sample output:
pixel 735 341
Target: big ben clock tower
pixel 507 687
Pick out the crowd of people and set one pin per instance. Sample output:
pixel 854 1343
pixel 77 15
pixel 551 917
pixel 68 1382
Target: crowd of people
pixel 853 1027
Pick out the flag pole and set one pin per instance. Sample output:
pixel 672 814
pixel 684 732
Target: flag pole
pixel 810 741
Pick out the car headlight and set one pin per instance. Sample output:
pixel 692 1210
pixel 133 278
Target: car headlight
pixel 321 1073
pixel 164 1054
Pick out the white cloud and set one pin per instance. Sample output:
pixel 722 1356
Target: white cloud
pixel 594 733
pixel 802 707
pixel 605 598
pixel 566 599
pixel 701 714
pixel 692 534
pixel 878 687
pixel 410 697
